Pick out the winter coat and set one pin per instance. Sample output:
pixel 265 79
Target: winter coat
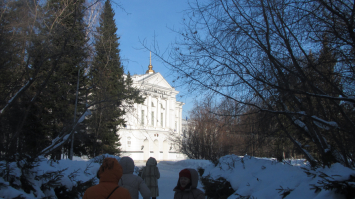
pixel 191 192
pixel 150 175
pixel 132 182
pixel 110 173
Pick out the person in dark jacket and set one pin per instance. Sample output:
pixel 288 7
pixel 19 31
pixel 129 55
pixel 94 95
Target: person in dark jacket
pixel 150 175
pixel 132 182
pixel 187 185
pixel 110 173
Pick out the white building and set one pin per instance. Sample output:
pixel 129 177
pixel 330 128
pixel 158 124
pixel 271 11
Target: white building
pixel 150 124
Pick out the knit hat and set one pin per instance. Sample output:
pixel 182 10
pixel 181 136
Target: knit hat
pixel 185 173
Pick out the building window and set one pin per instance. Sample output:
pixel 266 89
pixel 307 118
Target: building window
pixel 142 117
pixel 152 118
pixel 175 125
pixel 161 119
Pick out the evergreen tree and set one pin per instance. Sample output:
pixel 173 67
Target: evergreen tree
pixel 12 46
pixel 61 43
pixel 19 44
pixel 60 94
pixel 110 89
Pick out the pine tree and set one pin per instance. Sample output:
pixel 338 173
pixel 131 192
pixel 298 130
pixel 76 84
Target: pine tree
pixel 62 88
pixel 53 109
pixel 10 65
pixel 19 43
pixel 110 89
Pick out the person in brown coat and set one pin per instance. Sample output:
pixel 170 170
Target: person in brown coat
pixel 110 173
pixel 187 185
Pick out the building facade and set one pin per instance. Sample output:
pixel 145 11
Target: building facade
pixel 150 125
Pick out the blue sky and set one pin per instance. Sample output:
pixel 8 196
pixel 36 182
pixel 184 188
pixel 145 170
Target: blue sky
pixel 143 20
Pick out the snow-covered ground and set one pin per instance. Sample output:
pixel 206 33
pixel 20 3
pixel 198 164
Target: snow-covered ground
pixel 252 177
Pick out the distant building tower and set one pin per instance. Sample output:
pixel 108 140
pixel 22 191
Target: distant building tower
pixel 150 124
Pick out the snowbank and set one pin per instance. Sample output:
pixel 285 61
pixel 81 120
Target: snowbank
pixel 250 177
pixel 267 178
pixel 40 178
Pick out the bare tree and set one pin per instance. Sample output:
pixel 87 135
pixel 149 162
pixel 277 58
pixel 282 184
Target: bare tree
pixel 208 136
pixel 292 59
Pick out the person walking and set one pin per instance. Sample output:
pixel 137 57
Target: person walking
pixel 150 175
pixel 110 173
pixel 132 182
pixel 187 185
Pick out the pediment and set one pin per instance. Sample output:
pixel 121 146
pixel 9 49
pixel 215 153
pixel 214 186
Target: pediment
pixel 155 79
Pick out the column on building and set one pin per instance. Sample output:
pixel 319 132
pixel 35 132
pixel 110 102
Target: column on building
pixel 149 107
pixel 158 112
pixel 167 113
pixel 180 118
pixel 136 115
pixel 172 114
pixel 139 115
pixel 177 118
pixel 154 110
pixel 163 111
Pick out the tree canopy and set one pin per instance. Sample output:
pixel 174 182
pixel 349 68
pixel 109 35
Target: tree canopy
pixel 291 59
pixel 46 54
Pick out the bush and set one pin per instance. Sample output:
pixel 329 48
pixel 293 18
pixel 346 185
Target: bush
pixel 201 171
pixel 42 178
pixel 345 187
pixel 77 191
pixel 216 189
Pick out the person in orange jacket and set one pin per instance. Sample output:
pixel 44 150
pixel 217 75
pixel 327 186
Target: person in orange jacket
pixel 110 173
